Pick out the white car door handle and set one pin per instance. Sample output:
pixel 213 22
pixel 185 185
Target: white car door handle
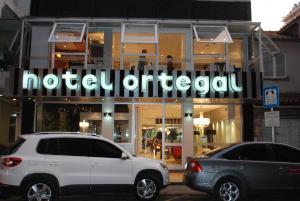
pixel 52 163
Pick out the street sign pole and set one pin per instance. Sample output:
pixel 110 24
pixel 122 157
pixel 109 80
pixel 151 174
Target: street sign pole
pixel 271 100
pixel 273 128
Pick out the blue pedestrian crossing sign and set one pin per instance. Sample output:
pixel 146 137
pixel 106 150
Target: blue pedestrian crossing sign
pixel 271 96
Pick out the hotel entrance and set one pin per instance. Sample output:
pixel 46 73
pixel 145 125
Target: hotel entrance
pixel 159 133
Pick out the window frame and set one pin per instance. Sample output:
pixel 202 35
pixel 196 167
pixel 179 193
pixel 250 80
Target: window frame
pixel 123 42
pixel 198 39
pixel 123 33
pixel 275 67
pixel 53 31
pixel 76 53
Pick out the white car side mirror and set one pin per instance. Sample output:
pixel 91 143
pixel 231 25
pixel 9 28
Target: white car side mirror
pixel 124 156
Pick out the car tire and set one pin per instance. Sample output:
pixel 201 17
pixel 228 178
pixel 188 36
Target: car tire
pixel 146 187
pixel 40 189
pixel 229 189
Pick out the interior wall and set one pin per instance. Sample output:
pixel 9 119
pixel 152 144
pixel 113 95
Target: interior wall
pixel 227 123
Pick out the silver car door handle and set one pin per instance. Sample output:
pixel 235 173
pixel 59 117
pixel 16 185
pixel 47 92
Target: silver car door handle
pixel 241 167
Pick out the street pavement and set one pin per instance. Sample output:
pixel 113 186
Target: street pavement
pixel 171 193
pixel 202 197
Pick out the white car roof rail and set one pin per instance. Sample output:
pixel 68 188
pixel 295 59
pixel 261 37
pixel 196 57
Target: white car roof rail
pixel 70 133
pixel 57 132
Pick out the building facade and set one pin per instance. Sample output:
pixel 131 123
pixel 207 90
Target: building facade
pixel 285 74
pixel 11 13
pixel 163 80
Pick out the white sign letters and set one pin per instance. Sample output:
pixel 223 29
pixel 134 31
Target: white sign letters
pixel 201 84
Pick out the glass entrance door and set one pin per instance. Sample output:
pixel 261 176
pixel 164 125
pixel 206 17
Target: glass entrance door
pixel 158 131
pixel 148 130
pixel 173 135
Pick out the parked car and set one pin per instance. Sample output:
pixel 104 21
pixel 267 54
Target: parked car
pixel 231 173
pixel 43 165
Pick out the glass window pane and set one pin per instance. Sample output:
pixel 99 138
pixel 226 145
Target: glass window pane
pixel 217 34
pixel 236 55
pixel 222 129
pixel 41 148
pixel 139 33
pixel 209 48
pixel 70 47
pixel 254 152
pixel 122 130
pixel 210 63
pixel 286 154
pixel 139 62
pixel 173 134
pixel 104 149
pixel 67 117
pixel 96 48
pixel 280 65
pixel 53 146
pixel 148 126
pixel 66 61
pixel 268 64
pixel 116 50
pixel 171 49
pixel 67 32
pixel 73 147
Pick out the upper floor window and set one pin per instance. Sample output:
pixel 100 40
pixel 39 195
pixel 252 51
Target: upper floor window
pixel 139 33
pixel 212 34
pixel 274 60
pixel 139 48
pixel 67 32
pixel 68 45
pixel 236 55
pixel 210 47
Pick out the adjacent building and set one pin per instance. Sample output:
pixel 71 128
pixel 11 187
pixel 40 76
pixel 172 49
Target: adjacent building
pixel 284 72
pixel 11 14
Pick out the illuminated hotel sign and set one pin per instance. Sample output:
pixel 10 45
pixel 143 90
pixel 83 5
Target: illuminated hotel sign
pixel 136 84
pixel 202 84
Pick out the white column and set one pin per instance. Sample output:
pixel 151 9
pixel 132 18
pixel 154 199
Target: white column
pixel 188 131
pixel 108 106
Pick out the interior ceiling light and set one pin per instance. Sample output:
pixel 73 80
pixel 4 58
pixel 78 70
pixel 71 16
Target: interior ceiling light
pixel 201 121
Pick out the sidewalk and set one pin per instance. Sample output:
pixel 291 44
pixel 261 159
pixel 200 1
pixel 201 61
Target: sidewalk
pixel 179 189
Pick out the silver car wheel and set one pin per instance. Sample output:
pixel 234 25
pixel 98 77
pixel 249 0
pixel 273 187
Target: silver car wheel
pixel 229 191
pixel 39 192
pixel 146 188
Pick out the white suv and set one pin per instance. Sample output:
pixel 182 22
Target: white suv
pixel 43 165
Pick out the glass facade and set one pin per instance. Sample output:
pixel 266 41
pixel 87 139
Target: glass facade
pixel 69 117
pixel 158 46
pixel 223 127
pixel 149 129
